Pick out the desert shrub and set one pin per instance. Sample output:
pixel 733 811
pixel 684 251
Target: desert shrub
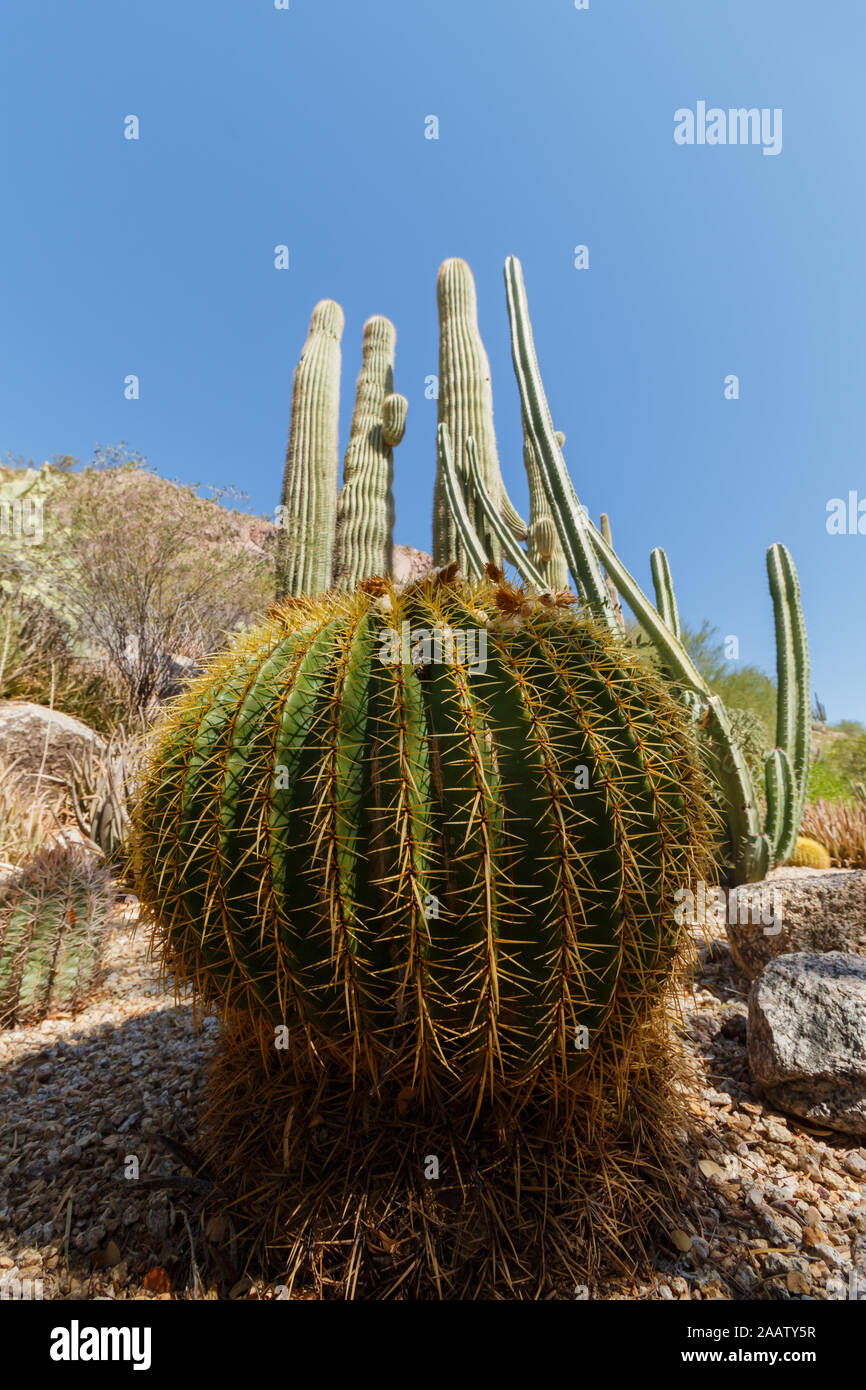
pixel 101 788
pixel 839 762
pixel 27 822
pixel 741 687
pixel 149 575
pixel 38 660
pixel 826 784
pixel 841 827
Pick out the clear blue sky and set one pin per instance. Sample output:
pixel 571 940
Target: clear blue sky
pixel 306 127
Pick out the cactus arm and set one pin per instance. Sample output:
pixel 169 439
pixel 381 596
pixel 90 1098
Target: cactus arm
pixel 395 409
pixel 518 558
pixel 512 518
pixel 666 602
pixel 752 850
pixel 476 556
pixel 794 714
pixel 572 521
pixel 542 541
pixel 670 648
pixel 611 587
pixel 781 826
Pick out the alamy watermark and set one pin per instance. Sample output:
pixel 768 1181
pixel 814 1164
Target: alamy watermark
pixel 17 1289
pixel 436 646
pixel 707 905
pixel 735 126
pixel 846 517
pixel 21 518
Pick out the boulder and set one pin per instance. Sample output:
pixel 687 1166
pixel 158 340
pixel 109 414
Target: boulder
pixel 409 565
pixel 24 729
pixel 814 910
pixel 807 1037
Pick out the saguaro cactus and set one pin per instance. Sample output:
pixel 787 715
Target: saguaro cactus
pixel 308 505
pixel 365 514
pixel 465 405
pixel 543 544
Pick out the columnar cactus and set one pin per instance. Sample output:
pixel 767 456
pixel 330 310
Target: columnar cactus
pixel 752 848
pixel 604 520
pixel 542 541
pixel 465 405
pixel 365 514
pixel 52 917
pixel 308 505
pixel 666 601
pixel 436 834
pixel 794 710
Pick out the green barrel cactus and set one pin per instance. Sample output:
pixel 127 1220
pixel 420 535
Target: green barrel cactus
pixel 52 917
pixel 308 504
pixel 435 834
pixel 365 514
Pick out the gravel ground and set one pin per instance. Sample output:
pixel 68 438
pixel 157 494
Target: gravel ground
pixel 98 1197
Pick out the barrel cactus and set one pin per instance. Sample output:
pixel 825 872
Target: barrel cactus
pixel 810 854
pixel 434 834
pixel 52 916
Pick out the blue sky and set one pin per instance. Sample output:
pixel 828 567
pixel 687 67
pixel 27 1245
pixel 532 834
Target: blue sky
pixel 306 127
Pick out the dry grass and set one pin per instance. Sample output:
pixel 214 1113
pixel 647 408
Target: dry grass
pixel 329 1185
pixel 841 828
pixel 27 821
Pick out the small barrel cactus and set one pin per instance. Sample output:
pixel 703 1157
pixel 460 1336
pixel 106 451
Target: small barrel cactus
pixel 434 834
pixel 52 915
pixel 809 854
